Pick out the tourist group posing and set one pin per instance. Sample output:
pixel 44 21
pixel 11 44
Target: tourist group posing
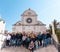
pixel 31 41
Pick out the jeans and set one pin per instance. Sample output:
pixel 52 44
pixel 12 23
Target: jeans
pixel 36 44
pixel 19 42
pixel 44 42
pixel 12 42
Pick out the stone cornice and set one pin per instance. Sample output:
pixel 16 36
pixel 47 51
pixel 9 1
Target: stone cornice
pixel 30 25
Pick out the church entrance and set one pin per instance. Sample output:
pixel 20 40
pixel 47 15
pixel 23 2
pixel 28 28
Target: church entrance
pixel 28 29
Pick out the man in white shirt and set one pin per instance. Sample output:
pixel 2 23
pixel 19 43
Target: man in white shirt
pixel 8 39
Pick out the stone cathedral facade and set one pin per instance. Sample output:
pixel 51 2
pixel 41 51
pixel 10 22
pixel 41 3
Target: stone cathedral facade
pixel 29 23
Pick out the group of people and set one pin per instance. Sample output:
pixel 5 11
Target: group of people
pixel 31 41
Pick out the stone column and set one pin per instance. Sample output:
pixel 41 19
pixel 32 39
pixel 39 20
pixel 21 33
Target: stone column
pixel 53 33
pixel 55 40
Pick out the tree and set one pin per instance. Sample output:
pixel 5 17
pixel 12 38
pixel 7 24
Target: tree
pixel 50 30
pixel 55 25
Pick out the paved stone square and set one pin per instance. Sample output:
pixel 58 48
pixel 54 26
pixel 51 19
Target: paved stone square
pixel 50 48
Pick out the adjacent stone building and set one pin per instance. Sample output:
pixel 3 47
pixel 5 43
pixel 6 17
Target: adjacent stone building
pixel 29 23
pixel 2 25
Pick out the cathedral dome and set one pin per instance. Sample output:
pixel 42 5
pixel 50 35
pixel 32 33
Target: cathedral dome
pixel 29 12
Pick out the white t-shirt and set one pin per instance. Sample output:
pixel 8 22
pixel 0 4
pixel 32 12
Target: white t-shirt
pixel 8 37
pixel 24 37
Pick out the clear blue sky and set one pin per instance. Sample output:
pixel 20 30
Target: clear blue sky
pixel 47 10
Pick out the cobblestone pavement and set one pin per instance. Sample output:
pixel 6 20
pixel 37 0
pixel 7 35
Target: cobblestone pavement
pixel 50 48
